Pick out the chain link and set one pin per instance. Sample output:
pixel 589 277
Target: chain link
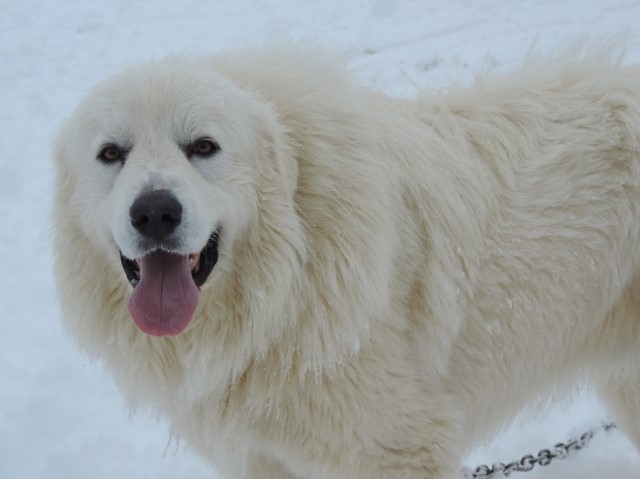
pixel 544 458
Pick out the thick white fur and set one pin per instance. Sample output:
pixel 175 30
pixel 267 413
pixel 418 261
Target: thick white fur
pixel 397 278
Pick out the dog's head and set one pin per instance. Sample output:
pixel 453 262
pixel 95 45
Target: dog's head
pixel 162 168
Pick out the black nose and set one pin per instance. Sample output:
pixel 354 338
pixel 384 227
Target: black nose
pixel 156 214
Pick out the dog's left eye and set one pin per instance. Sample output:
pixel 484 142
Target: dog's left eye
pixel 110 154
pixel 205 148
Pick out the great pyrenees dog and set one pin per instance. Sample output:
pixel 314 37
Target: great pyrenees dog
pixel 313 280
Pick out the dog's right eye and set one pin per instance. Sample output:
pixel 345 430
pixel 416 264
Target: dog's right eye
pixel 110 154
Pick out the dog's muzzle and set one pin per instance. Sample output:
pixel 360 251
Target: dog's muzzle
pixel 166 283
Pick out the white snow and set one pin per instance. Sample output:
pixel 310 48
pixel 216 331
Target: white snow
pixel 60 415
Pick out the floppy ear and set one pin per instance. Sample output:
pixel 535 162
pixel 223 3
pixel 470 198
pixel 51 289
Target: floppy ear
pixel 277 149
pixel 64 184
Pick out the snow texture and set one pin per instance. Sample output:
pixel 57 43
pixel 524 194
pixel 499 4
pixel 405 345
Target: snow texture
pixel 60 415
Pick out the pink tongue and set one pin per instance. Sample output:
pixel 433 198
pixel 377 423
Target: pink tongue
pixel 165 298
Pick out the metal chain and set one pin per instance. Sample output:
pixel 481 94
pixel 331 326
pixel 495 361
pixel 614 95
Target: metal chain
pixel 544 457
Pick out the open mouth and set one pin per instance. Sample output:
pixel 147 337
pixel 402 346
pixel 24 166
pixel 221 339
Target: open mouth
pixel 200 264
pixel 166 287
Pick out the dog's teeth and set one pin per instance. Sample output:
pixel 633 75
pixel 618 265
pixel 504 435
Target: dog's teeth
pixel 194 262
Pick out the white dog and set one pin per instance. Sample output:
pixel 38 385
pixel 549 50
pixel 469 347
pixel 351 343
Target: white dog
pixel 311 280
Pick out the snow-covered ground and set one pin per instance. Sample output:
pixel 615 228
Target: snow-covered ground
pixel 60 415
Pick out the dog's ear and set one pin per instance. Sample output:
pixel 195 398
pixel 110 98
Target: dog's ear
pixel 277 149
pixel 64 179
